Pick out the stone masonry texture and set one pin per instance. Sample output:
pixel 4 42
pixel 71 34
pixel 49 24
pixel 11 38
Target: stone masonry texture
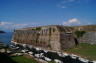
pixel 53 37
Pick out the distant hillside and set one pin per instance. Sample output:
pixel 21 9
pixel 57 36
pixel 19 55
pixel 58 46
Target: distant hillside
pixel 87 28
pixel 2 31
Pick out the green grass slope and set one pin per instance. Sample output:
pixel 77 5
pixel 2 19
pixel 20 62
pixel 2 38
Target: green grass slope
pixel 87 51
pixel 22 59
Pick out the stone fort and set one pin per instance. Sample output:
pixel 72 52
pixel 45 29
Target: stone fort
pixel 53 37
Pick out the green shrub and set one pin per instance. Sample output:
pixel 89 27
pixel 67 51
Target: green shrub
pixel 80 33
pixel 53 30
pixel 49 45
pixel 38 28
pixel 49 30
pixel 37 38
pixel 61 29
pixel 49 34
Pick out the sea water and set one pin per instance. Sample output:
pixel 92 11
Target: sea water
pixel 6 37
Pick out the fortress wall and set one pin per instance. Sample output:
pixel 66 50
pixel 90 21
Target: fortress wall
pixel 48 37
pixel 66 40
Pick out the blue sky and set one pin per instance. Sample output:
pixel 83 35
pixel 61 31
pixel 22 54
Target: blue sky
pixel 15 14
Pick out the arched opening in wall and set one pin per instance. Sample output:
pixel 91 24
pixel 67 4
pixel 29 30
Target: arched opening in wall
pixel 76 41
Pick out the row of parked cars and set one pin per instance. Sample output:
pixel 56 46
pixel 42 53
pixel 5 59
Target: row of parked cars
pixel 58 57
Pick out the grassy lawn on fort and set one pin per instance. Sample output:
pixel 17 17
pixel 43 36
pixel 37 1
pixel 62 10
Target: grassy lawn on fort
pixel 22 59
pixel 85 50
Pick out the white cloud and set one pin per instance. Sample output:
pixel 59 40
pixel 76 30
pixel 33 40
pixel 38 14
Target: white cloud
pixel 67 1
pixel 9 25
pixel 72 21
pixel 23 25
pixel 61 6
pixel 5 23
pixel 63 3
pixel 89 23
pixel 19 25
pixel 83 1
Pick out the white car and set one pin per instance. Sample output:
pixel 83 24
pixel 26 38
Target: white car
pixel 9 51
pixel 30 52
pixel 38 49
pixel 37 55
pixel 24 51
pixel 47 59
pixel 41 55
pixel 83 60
pixel 94 61
pixel 58 61
pixel 73 56
pixel 18 54
pixel 45 51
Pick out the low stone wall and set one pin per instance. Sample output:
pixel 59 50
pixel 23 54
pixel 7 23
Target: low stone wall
pixel 88 37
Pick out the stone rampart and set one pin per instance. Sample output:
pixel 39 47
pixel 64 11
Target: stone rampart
pixel 53 37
